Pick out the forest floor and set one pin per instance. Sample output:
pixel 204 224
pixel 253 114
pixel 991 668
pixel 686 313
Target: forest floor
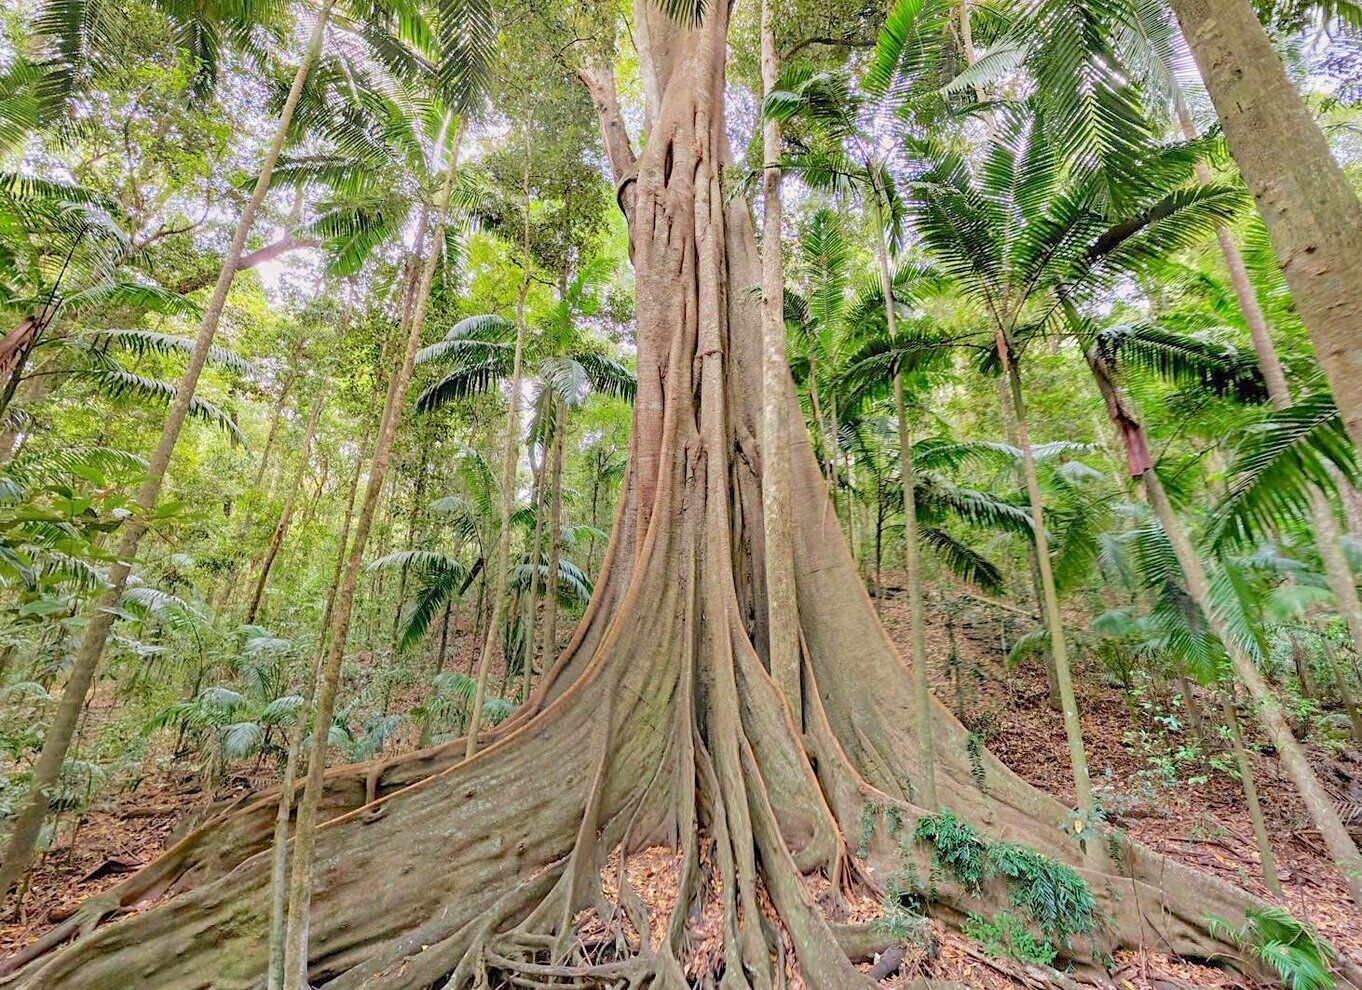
pixel 1156 786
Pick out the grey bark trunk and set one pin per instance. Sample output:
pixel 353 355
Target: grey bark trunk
pixel 777 532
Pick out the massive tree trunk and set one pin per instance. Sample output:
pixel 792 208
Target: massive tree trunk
pixel 1311 209
pixel 660 721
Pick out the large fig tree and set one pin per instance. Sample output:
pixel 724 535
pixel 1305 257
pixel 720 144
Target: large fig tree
pixel 659 724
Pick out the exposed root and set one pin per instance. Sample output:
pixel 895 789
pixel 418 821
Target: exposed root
pixel 659 727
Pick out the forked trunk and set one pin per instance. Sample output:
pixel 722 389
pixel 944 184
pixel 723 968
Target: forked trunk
pixel 660 721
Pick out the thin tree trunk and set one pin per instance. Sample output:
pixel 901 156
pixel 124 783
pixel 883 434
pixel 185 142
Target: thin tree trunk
pixel 413 525
pixel 1266 705
pixel 279 850
pixel 912 561
pixel 276 418
pixel 549 649
pixel 1327 535
pixel 57 740
pixel 508 471
pixel 444 638
pixel 286 514
pixel 1345 692
pixel 1033 566
pixel 536 555
pixel 777 524
pixel 1250 787
pixel 1312 792
pixel 300 885
pixel 1073 729
pixel 1312 212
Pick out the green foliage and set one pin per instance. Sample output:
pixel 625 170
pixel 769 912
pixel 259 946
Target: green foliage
pixel 1290 948
pixel 957 846
pixel 1051 894
pixel 1006 936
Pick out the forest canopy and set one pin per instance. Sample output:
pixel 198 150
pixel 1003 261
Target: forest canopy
pixel 680 494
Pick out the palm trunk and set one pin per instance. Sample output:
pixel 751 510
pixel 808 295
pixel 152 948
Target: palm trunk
pixel 1059 653
pixel 549 649
pixel 535 556
pixel 57 740
pixel 1316 799
pixel 1312 212
pixel 1033 567
pixel 300 887
pixel 508 471
pixel 413 525
pixel 286 514
pixel 815 403
pixel 1255 808
pixel 1312 792
pixel 912 561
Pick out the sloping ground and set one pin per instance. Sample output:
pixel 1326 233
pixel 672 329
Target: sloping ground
pixel 1180 806
pixel 1183 807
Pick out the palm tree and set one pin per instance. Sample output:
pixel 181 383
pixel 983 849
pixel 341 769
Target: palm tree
pixel 1159 214
pixel 568 366
pixel 63 255
pixel 58 737
pixel 1138 40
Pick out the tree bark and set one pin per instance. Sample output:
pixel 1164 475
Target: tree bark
pixel 782 648
pixel 57 739
pixel 659 720
pixel 1312 212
